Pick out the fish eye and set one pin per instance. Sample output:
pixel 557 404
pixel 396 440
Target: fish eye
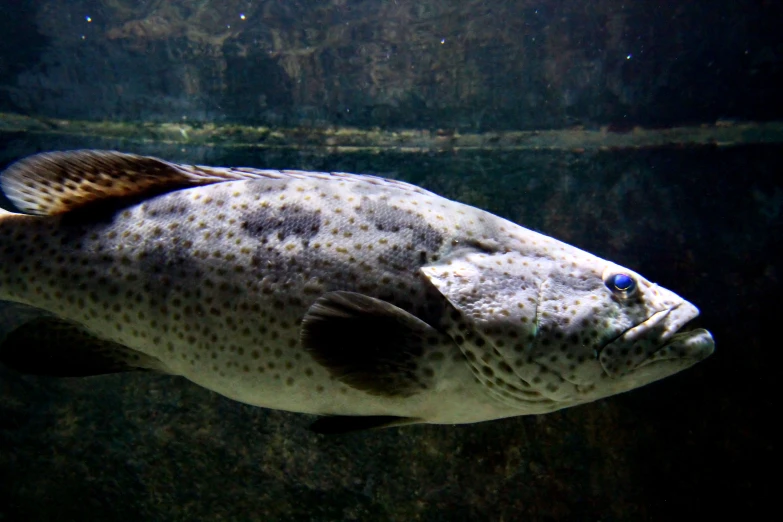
pixel 622 284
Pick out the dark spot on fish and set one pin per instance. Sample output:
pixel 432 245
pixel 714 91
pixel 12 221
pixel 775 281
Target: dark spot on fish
pixel 294 220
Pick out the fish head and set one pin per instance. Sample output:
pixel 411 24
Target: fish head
pixel 556 327
pixel 606 329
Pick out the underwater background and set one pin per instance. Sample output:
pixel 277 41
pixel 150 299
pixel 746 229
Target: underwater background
pixel 646 132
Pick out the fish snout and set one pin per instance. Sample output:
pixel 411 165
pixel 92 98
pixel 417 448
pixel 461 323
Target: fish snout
pixel 661 337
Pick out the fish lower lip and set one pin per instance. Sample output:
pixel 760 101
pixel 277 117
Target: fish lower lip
pixel 695 343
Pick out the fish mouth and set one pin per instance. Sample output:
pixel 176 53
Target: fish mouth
pixel 666 336
pixel 689 343
pixel 682 339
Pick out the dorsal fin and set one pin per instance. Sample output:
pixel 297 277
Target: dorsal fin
pixel 57 182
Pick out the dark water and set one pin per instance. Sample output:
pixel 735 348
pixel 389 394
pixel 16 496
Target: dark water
pixel 702 220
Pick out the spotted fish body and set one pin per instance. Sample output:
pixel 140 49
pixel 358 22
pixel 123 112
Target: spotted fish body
pixel 334 294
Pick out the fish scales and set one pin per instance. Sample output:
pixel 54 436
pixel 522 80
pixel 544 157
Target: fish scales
pixel 334 294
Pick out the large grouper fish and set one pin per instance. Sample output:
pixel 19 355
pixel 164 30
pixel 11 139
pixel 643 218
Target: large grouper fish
pixel 369 301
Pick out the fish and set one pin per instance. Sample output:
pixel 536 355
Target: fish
pixel 366 301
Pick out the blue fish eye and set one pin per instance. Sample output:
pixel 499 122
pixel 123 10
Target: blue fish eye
pixel 622 283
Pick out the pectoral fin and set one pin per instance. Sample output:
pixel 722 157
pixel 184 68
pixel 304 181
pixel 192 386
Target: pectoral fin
pixel 337 424
pixel 369 344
